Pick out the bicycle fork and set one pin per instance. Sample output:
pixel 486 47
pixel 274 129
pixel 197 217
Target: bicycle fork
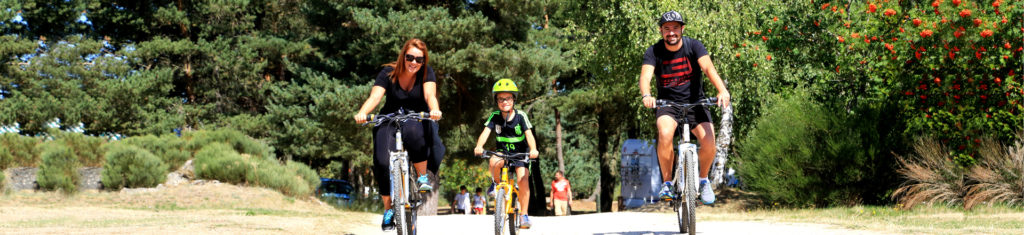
pixel 686 167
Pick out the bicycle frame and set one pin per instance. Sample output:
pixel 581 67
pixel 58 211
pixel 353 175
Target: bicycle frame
pixel 505 203
pixel 402 197
pixel 686 171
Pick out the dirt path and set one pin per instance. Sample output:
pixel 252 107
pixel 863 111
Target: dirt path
pixel 608 223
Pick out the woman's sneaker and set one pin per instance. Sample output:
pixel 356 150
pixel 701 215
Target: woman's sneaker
pixel 666 191
pixel 388 223
pixel 425 183
pixel 707 195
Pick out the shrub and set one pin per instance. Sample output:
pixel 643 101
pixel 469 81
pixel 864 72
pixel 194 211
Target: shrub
pixel 2 179
pixel 20 149
pixel 804 153
pixel 130 166
pixel 169 148
pixel 6 159
pixel 999 175
pixel 272 175
pixel 310 176
pixel 931 176
pixel 219 161
pixel 235 139
pixel 88 149
pixel 59 169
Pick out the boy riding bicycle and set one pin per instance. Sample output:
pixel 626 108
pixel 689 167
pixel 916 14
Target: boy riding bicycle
pixel 511 128
pixel 677 62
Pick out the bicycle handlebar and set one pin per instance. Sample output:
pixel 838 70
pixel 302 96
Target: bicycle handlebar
pixel 711 101
pixel 523 157
pixel 397 117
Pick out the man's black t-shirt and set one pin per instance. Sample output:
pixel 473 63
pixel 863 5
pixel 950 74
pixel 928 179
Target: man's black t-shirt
pixel 678 72
pixel 411 100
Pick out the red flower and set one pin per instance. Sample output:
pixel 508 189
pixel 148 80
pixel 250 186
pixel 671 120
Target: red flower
pixel 987 116
pixel 922 87
pixel 917 54
pixel 844 40
pixel 984 97
pixel 908 93
pixel 926 33
pixel 956 97
pixel 855 35
pixel 1007 45
pixel 764 38
pixel 816 23
pixel 996 3
pixel 874 38
pixel 775 18
pixel 958 33
pixel 769 57
pixel 956 3
pixel 984 87
pixel 956 87
pixel 917 22
pixel 951 55
pixel 901 29
pixel 965 13
pixel 890 12
pixel 977 22
pixel 755 64
pixel 1004 20
pixel 872 8
pixel 888 46
pixel 944 20
pixel 924 97
pixel 997 80
pixel 986 33
pixel 866 40
pixel 737 55
pixel 937 80
pixel 823 6
pixel 936 3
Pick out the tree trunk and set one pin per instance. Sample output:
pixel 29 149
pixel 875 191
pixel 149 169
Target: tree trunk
pixel 607 179
pixel 723 140
pixel 558 140
pixel 538 193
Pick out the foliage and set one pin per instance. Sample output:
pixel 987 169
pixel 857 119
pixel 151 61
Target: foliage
pixel 168 148
pixel 197 140
pixel 20 150
pixel 311 178
pixel 59 168
pixel 827 160
pixel 469 173
pixel 132 167
pixel 221 162
pixel 88 149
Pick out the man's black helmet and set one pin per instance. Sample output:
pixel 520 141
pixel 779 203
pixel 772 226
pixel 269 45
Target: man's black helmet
pixel 671 16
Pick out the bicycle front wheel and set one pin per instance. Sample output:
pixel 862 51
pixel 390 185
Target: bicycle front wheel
pixel 499 211
pixel 688 221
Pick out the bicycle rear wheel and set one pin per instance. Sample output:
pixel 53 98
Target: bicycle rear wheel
pixel 499 211
pixel 413 207
pixel 513 218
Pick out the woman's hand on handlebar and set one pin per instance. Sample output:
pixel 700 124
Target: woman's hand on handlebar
pixel 649 102
pixel 478 151
pixel 723 99
pixel 534 153
pixel 360 118
pixel 435 115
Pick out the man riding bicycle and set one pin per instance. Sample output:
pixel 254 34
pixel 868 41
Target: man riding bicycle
pixel 677 61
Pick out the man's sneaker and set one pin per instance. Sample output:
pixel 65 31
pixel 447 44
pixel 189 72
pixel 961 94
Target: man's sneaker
pixel 666 191
pixel 490 191
pixel 425 183
pixel 524 222
pixel 707 195
pixel 388 223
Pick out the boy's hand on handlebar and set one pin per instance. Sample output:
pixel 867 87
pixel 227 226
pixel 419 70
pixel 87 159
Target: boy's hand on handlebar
pixel 649 102
pixel 478 151
pixel 360 118
pixel 534 153
pixel 723 99
pixel 435 115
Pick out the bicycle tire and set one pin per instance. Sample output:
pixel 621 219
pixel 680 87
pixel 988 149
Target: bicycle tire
pixel 411 213
pixel 690 194
pixel 499 211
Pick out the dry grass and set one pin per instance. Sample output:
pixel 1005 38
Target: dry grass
pixel 931 176
pixel 185 209
pixel 999 176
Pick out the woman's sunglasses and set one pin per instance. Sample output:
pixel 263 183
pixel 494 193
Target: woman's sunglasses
pixel 411 58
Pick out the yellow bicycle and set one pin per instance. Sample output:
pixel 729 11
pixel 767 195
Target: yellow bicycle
pixel 506 203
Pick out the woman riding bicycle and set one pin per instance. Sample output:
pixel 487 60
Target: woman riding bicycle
pixel 514 135
pixel 410 86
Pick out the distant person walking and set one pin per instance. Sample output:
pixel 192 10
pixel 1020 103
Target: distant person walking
pixel 561 194
pixel 479 202
pixel 461 202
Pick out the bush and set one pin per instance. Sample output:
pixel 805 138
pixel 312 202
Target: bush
pixel 21 150
pixel 169 148
pixel 931 176
pixel 219 161
pixel 999 175
pixel 310 176
pixel 272 175
pixel 133 167
pixel 59 169
pixel 2 179
pixel 6 158
pixel 88 149
pixel 803 153
pixel 235 139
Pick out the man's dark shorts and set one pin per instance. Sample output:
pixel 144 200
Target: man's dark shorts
pixel 697 115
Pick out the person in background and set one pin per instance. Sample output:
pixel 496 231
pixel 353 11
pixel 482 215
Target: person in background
pixel 561 194
pixel 479 202
pixel 461 202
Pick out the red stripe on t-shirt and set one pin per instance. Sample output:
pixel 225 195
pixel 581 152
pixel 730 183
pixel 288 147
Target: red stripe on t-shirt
pixel 672 75
pixel 676 60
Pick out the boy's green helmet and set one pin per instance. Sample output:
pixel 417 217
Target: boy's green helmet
pixel 505 85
